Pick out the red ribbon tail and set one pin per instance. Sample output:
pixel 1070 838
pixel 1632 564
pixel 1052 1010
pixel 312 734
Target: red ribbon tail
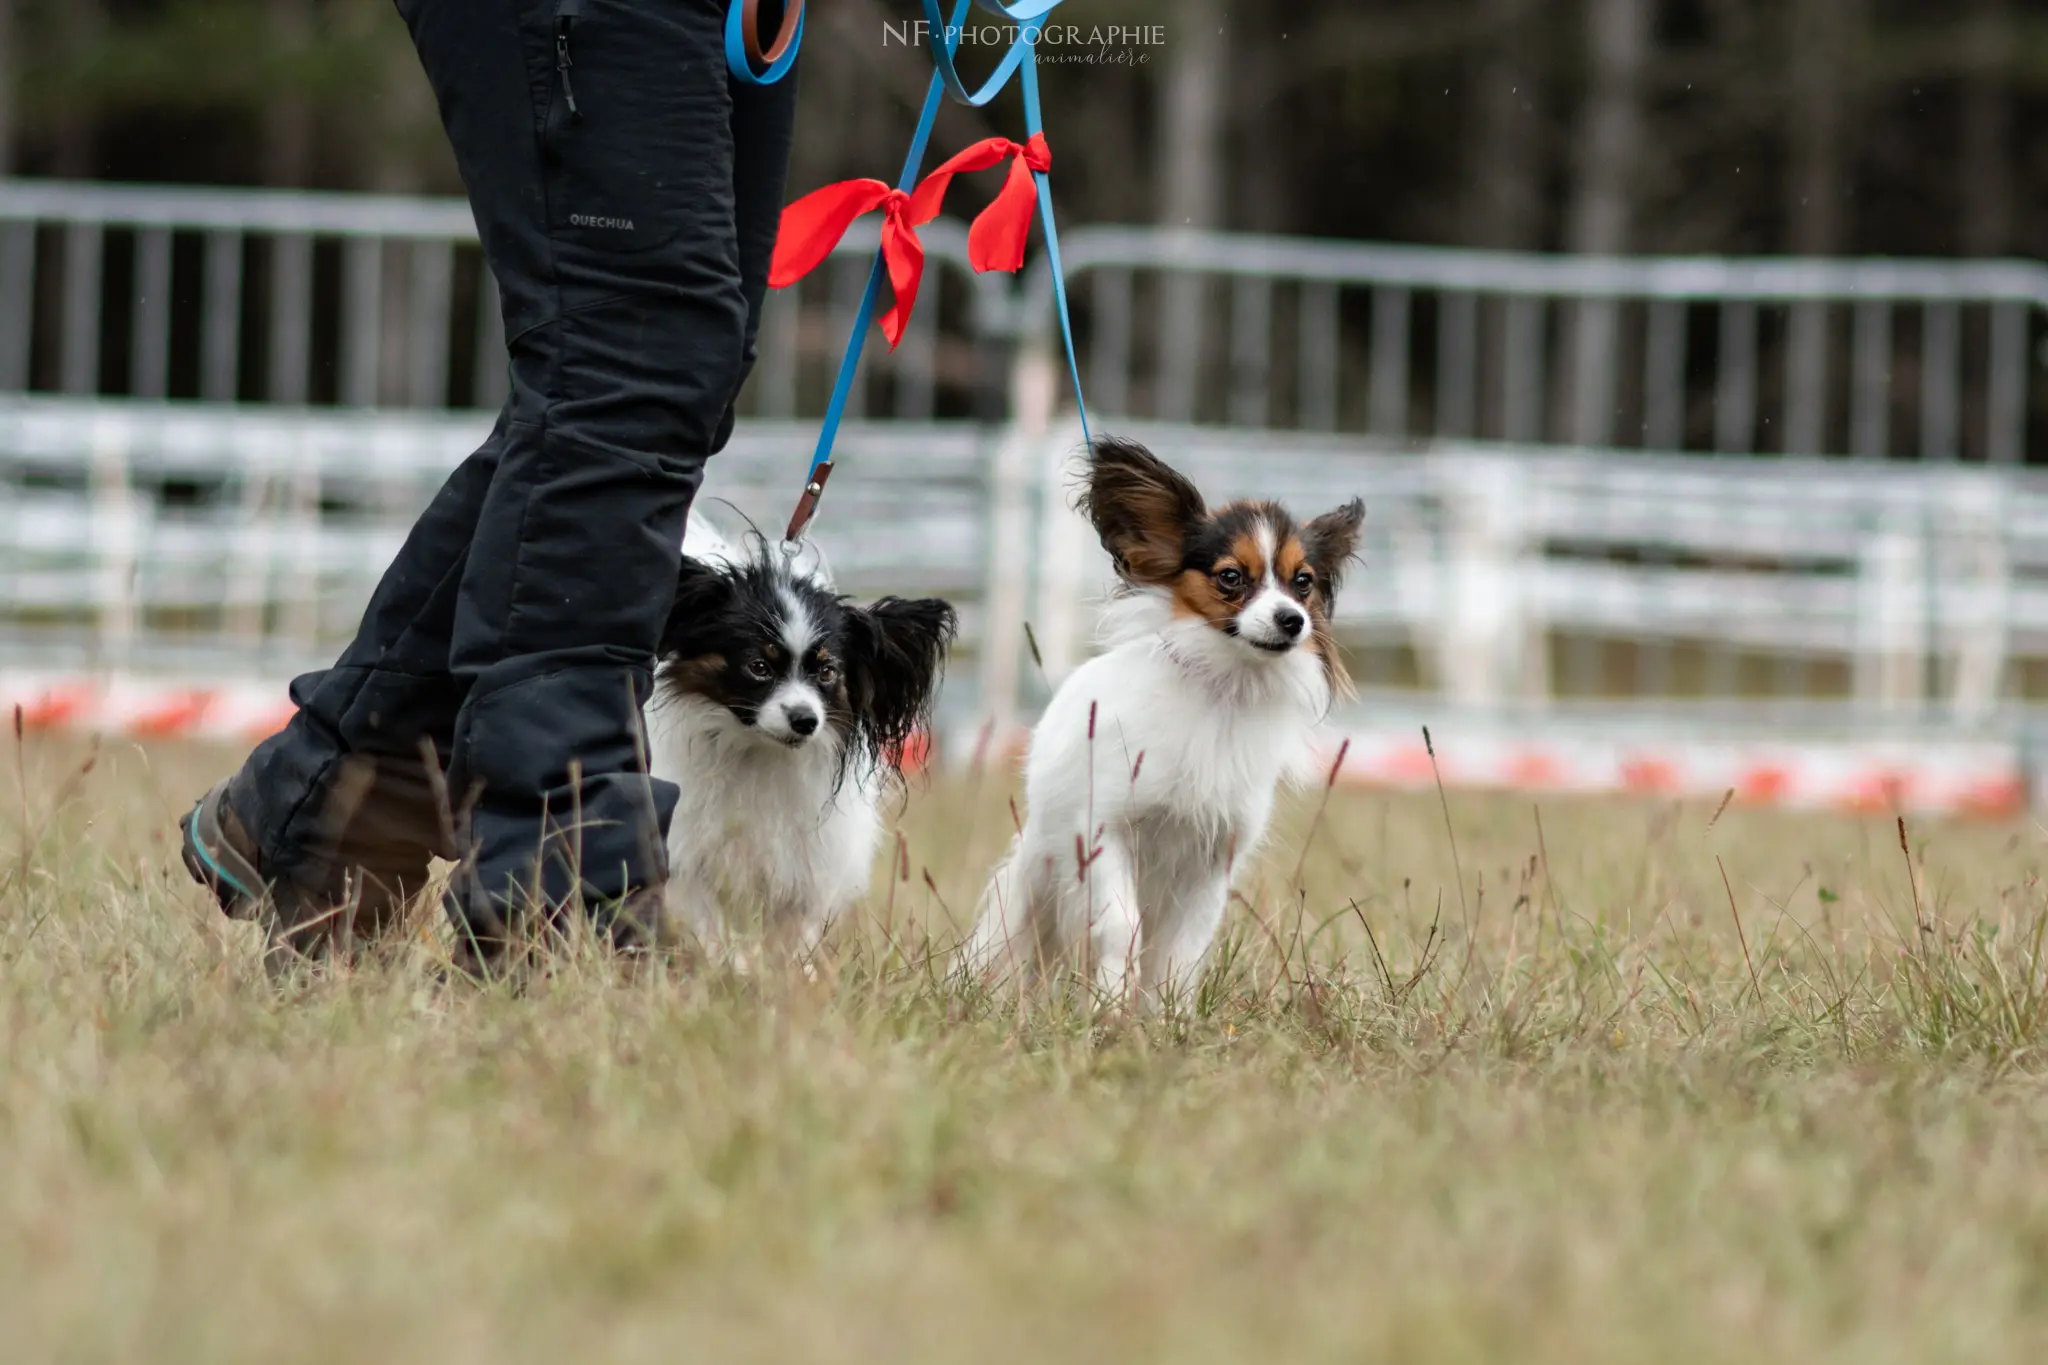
pixel 930 195
pixel 813 225
pixel 904 255
pixel 996 240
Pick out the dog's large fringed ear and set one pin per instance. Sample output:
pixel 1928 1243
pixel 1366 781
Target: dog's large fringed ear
pixel 1142 510
pixel 702 591
pixel 897 651
pixel 1331 542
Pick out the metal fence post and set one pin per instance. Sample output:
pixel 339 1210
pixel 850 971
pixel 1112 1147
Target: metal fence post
pixel 1892 616
pixel 1480 646
pixel 116 543
pixel 1975 569
pixel 1065 545
pixel 1013 467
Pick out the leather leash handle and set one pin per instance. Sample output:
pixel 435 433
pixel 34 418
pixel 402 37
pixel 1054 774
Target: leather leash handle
pixel 750 25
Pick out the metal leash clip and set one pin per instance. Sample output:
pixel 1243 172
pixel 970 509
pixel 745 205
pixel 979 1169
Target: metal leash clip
pixel 806 507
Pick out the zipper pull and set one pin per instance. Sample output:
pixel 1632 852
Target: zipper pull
pixel 563 61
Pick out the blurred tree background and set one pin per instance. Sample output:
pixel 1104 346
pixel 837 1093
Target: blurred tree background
pixel 1750 126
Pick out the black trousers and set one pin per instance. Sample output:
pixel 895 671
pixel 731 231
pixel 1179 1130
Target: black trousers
pixel 627 192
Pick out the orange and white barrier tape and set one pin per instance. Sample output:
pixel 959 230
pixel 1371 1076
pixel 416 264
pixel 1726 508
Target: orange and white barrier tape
pixel 1932 777
pixel 245 713
pixel 1986 778
pixel 146 708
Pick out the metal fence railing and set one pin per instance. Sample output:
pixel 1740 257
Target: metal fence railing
pixel 219 412
pixel 1879 359
pixel 197 540
pixel 223 544
pixel 1769 592
pixel 293 298
pixel 362 301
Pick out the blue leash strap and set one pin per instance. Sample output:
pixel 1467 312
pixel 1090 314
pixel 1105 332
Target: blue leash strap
pixel 1033 123
pixel 863 319
pixel 1022 57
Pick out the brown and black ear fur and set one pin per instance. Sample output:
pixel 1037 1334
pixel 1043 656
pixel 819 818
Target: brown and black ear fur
pixel 896 659
pixel 1142 510
pixel 1330 542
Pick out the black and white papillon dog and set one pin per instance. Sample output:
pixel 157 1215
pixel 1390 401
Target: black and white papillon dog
pixel 781 710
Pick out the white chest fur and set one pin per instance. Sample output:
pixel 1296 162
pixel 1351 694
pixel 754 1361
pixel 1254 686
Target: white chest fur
pixel 765 838
pixel 1184 724
pixel 1151 782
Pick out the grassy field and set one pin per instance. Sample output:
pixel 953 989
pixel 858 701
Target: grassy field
pixel 1568 1095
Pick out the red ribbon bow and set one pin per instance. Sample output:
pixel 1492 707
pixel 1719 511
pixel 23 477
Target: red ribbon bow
pixel 813 225
pixel 996 240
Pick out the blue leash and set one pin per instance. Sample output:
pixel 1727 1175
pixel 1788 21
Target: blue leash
pixel 1022 56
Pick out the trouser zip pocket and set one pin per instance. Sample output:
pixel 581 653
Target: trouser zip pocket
pixel 614 164
pixel 567 12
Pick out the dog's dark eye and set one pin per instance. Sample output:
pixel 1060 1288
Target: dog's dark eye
pixel 759 668
pixel 1230 580
pixel 827 674
pixel 1304 583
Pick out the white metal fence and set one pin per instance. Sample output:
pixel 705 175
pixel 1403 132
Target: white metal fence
pixel 1911 592
pixel 361 301
pixel 197 541
pixel 193 541
pixel 251 296
pixel 219 414
pixel 1877 359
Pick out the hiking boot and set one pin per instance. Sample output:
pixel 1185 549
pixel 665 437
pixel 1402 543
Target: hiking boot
pixel 373 842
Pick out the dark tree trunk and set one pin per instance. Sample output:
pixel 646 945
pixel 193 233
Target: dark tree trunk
pixel 1193 100
pixel 80 25
pixel 398 150
pixel 1502 201
pixel 1264 201
pixel 7 65
pixel 1600 220
pixel 1817 73
pixel 288 123
pixel 1610 135
pixel 1194 97
pixel 1987 189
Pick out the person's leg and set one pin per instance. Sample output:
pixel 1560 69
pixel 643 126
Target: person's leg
pixel 573 564
pixel 341 804
pixel 763 126
pixel 391 687
pixel 340 791
pixel 331 824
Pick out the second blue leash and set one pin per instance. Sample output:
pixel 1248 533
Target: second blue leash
pixel 1022 57
pixel 1034 123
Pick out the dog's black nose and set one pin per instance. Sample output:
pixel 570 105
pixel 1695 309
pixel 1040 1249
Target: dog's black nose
pixel 803 722
pixel 1291 623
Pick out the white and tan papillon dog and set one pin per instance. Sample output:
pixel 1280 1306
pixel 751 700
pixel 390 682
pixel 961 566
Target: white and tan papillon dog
pixel 779 710
pixel 1152 775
